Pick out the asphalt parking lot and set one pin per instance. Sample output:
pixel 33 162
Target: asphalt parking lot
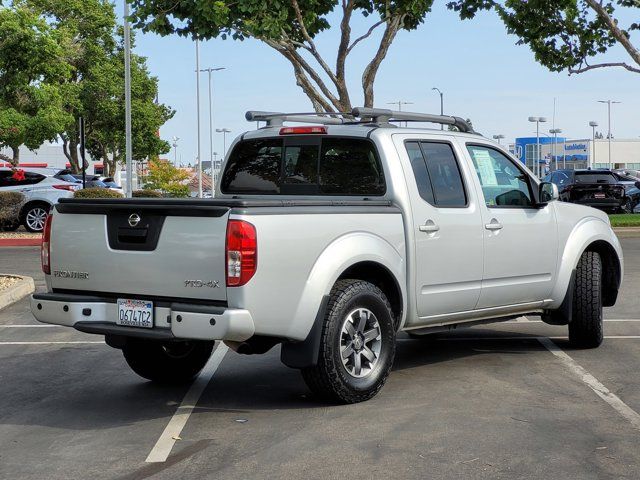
pixel 497 401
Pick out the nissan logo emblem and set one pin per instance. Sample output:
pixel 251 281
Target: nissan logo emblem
pixel 134 219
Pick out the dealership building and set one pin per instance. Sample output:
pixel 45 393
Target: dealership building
pixel 558 153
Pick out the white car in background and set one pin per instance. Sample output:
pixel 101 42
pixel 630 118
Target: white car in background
pixel 41 190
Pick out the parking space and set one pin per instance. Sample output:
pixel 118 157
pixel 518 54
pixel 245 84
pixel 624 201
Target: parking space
pixel 487 402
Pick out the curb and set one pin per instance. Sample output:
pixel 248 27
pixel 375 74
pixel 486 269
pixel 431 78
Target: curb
pixel 20 242
pixel 17 292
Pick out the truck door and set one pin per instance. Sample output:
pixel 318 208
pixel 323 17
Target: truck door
pixel 520 240
pixel 447 228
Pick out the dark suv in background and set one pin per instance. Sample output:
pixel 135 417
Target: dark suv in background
pixel 594 188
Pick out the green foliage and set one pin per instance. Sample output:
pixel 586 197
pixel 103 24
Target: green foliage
pixel 564 35
pixel 165 177
pixel 625 220
pixel 96 193
pixel 146 193
pixel 31 70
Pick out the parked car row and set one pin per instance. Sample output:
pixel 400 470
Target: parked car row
pixel 42 188
pixel 611 191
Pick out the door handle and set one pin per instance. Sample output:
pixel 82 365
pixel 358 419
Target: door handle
pixel 493 225
pixel 429 227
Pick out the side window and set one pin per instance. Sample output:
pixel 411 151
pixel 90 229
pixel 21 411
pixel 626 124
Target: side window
pixel 446 179
pixel 350 167
pixel 254 167
pixel 562 179
pixel 420 171
pixel 5 178
pixel 503 183
pixel 31 178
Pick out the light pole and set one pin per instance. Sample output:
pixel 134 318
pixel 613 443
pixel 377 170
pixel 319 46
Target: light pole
pixel 609 102
pixel 442 105
pixel 127 99
pixel 224 132
pixel 198 115
pixel 555 132
pixel 214 172
pixel 400 103
pixel 593 126
pixel 209 71
pixel 175 150
pixel 538 121
pixel 498 137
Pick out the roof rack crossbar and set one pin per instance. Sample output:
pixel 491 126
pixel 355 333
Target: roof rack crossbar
pixel 383 115
pixel 276 119
pixel 380 116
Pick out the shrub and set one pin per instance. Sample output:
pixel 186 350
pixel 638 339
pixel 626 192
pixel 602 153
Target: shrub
pixel 10 205
pixel 147 193
pixel 96 193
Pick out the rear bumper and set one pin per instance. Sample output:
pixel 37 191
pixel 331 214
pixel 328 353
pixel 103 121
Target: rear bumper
pixel 173 322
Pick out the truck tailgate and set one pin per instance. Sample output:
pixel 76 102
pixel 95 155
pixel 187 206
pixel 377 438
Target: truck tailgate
pixel 140 248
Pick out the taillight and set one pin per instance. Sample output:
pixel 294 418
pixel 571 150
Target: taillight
pixel 45 248
pixel 71 188
pixel 242 252
pixel 303 131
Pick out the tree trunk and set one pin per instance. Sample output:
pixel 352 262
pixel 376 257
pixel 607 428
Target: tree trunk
pixel 16 156
pixel 70 149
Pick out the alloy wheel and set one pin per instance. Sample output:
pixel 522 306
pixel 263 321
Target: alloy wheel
pixel 360 342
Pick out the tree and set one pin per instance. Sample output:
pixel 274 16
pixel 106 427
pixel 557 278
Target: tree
pixel 290 27
pixel 104 107
pixel 31 68
pixel 564 35
pixel 164 176
pixel 92 45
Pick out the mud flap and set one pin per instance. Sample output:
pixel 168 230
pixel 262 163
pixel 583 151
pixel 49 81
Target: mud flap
pixel 562 316
pixel 305 353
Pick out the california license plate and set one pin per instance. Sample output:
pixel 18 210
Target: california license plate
pixel 135 313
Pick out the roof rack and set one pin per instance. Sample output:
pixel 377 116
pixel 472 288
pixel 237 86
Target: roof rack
pixel 276 119
pixel 366 115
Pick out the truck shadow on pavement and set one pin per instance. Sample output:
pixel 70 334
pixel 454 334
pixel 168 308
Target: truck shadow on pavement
pixel 92 388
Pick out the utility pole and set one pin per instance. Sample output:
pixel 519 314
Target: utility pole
pixel 442 105
pixel 538 121
pixel 224 132
pixel 400 103
pixel 609 102
pixel 127 100
pixel 555 132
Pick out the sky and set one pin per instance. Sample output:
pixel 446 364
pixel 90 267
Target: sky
pixel 483 74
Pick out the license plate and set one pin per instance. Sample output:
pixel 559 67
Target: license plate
pixel 135 313
pixel 598 195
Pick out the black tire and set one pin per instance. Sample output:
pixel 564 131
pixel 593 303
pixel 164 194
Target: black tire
pixel 167 362
pixel 628 206
pixel 331 379
pixel 31 216
pixel 586 328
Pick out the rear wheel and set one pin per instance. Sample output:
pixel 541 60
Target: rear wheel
pixel 357 345
pixel 167 362
pixel 34 216
pixel 586 328
pixel 9 225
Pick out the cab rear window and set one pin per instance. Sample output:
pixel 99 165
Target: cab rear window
pixel 304 166
pixel 589 177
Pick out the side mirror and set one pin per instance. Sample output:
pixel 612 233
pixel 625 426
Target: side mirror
pixel 548 192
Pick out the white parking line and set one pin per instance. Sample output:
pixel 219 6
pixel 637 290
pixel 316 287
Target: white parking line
pixel 592 382
pixel 30 326
pixel 171 433
pixel 526 320
pixel 48 343
pixel 519 337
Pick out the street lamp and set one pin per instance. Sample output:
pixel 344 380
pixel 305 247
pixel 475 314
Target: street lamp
pixel 209 71
pixel 224 132
pixel 555 132
pixel 442 105
pixel 538 121
pixel 198 116
pixel 609 102
pixel 593 126
pixel 400 103
pixel 175 150
pixel 498 137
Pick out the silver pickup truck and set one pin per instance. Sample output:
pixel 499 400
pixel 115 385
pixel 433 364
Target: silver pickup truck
pixel 330 239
